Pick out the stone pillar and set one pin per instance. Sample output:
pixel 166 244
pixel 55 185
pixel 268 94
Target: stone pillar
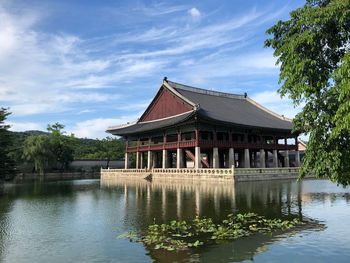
pixel 149 160
pixel 262 159
pixel 246 158
pixel 127 161
pixel 297 158
pixel 275 158
pixel 165 159
pixel 231 157
pixel 137 160
pixel 197 159
pixel 216 160
pixel 286 158
pixel 179 158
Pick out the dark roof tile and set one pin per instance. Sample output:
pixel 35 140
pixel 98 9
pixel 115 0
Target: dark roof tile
pixel 231 108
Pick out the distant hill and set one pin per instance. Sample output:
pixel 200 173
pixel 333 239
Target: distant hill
pixel 84 148
pixel 25 134
pixel 28 133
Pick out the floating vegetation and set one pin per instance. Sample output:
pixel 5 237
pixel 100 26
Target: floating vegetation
pixel 179 235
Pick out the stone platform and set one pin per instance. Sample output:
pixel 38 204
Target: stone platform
pixel 233 174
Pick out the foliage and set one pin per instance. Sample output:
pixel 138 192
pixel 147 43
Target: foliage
pixel 313 52
pixel 36 149
pixel 53 150
pixel 62 147
pixel 178 235
pixel 7 166
pixel 106 149
pixel 83 148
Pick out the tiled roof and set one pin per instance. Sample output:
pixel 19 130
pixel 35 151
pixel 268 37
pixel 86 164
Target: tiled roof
pixel 231 108
pixel 222 107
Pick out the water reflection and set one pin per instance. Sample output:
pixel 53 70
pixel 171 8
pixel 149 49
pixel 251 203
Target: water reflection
pixel 79 221
pixel 161 201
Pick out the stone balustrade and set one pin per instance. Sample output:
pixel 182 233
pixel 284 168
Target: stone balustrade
pixel 279 170
pixel 238 174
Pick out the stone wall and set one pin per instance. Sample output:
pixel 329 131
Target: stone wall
pixel 56 176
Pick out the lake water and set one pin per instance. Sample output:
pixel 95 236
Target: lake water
pixel 79 221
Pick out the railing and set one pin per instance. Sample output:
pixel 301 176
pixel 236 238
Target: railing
pixel 239 174
pixel 123 170
pixel 189 143
pixel 209 144
pixel 279 170
pixel 189 171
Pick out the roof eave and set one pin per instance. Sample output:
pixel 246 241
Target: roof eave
pixel 204 117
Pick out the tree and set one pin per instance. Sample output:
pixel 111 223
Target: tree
pixel 52 151
pixel 62 146
pixel 7 167
pixel 36 149
pixel 312 48
pixel 108 148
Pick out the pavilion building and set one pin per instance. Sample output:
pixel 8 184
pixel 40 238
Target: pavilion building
pixel 210 128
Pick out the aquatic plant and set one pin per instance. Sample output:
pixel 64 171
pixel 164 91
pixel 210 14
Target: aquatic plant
pixel 178 235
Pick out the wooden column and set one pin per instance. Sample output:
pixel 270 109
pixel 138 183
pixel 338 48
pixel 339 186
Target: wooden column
pixel 197 137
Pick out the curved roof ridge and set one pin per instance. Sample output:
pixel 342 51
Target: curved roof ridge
pixel 205 91
pixel 282 117
pixel 123 125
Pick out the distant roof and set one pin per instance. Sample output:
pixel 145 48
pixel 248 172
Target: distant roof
pixel 232 108
pixel 222 107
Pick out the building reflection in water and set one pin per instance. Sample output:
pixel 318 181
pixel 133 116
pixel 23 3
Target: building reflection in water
pixel 162 201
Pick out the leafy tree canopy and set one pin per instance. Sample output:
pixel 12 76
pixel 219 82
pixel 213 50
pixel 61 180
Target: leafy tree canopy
pixel 312 48
pixel 6 162
pixel 51 151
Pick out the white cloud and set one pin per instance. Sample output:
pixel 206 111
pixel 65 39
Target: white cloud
pixel 268 97
pixel 159 9
pixel 46 72
pixel 38 71
pixel 25 126
pixel 194 13
pixel 273 101
pixel 95 128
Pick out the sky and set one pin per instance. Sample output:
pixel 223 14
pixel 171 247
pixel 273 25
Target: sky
pixel 93 64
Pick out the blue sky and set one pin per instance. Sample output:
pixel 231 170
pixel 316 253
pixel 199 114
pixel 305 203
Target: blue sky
pixel 93 64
